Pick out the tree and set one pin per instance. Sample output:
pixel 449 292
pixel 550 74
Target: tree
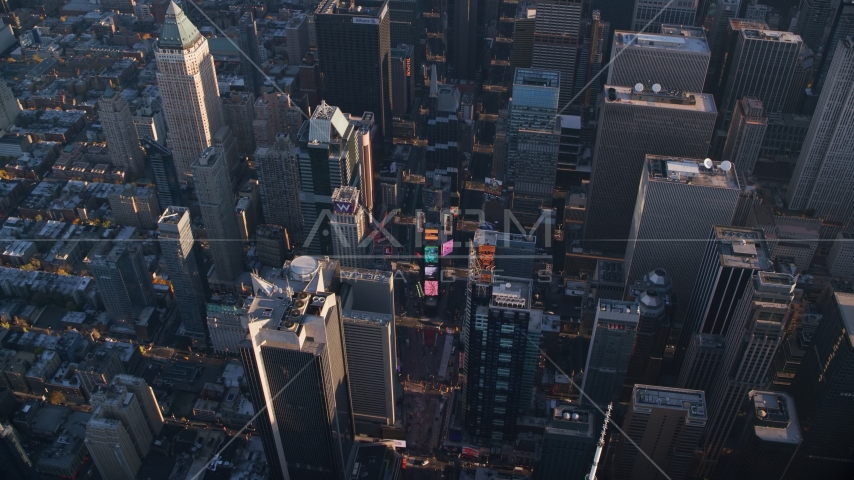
pixel 56 398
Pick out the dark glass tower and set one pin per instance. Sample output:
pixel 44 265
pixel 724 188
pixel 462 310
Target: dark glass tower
pixel 353 45
pixel 568 443
pixel 165 173
pixel 251 53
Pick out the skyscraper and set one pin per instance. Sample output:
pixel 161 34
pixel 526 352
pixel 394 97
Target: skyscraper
pixel 822 181
pixel 166 178
pixel 227 326
pixel 248 42
pixel 119 132
pixel 9 106
pixel 813 18
pixel 650 14
pixel 822 392
pixel 556 41
pixel 356 38
pixel 123 280
pixel 328 159
pixel 678 57
pixel 715 21
pixel 403 72
pixel 278 179
pixel 702 361
pixel 731 257
pixel 187 80
pixel 111 448
pixel 147 401
pixel 746 132
pixel 757 328
pixel 501 343
pixel 135 206
pixel 568 443
pixel 296 31
pixel 217 205
pixel 349 226
pixel 656 302
pixel 596 33
pixel 16 462
pixel 611 345
pixel 367 308
pixel 632 125
pixel 667 424
pixel 670 185
pixel 841 23
pixel 301 339
pixel 768 439
pixel 176 244
pixel 238 110
pixel 115 401
pixel 760 63
pixel 464 46
pixel 523 37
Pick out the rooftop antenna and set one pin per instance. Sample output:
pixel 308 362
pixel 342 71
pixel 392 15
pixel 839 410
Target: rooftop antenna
pixel 638 87
pixel 600 445
pixel 726 165
pixel 708 163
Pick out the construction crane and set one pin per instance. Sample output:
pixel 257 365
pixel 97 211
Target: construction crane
pixel 600 445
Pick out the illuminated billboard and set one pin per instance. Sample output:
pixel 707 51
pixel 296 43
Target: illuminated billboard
pixel 431 272
pixel 431 288
pixel 431 254
pixel 448 248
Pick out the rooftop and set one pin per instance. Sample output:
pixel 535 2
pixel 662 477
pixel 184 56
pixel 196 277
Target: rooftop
pixel 699 102
pixel 537 77
pixel 776 417
pixel 692 401
pixel 178 31
pixel 846 311
pixel 511 292
pixel 741 247
pixel 691 171
pixel 568 419
pixel 662 41
pixel 617 310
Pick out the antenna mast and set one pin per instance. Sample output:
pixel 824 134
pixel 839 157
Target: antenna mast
pixel 600 445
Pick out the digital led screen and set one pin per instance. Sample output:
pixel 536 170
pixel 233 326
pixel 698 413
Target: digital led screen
pixel 431 254
pixel 448 248
pixel 431 272
pixel 431 288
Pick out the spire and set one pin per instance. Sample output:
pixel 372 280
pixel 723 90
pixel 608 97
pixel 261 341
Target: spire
pixel 178 31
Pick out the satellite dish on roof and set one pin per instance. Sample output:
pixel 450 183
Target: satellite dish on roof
pixel 656 88
pixel 638 87
pixel 726 165
pixel 708 163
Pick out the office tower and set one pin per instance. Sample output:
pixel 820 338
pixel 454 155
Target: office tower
pixel 271 245
pixel 568 443
pixel 556 32
pixel 9 106
pixel 760 63
pixel 365 136
pixel 145 396
pixel 149 122
pixel 821 390
pixel 123 280
pixel 649 15
pixel 745 136
pixel 301 339
pixel 464 45
pixel 227 326
pixel 328 158
pixel 821 182
pixel 769 438
pixel 278 179
pixel 248 42
pixel 595 33
pixel 402 79
pixel 111 448
pixel 348 227
pixel 367 306
pixel 217 205
pixel 840 259
pixel 353 38
pixel 508 254
pixel 841 23
pixel 405 27
pixel 813 18
pixel 176 244
pixel 115 401
pixel 703 358
pixel 757 328
pixel 678 57
pixel 671 185
pixel 296 35
pixel 667 424
pixel 16 463
pixel 122 143
pixel 187 81
pixel 135 206
pixel 731 257
pixel 715 21
pixel 501 347
pixel 632 125
pixel 532 110
pixel 656 302
pixel 166 179
pixel 611 344
pixel 523 37
pixel 238 110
